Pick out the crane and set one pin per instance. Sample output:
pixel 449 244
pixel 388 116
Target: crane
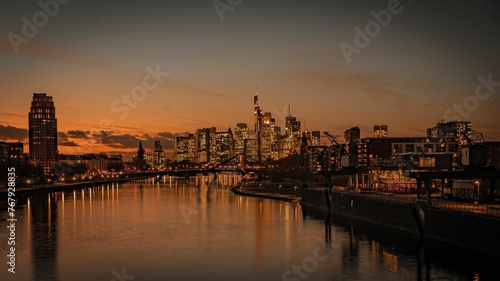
pixel 470 138
pixel 334 142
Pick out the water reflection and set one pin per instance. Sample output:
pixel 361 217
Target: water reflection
pixel 190 230
pixel 44 236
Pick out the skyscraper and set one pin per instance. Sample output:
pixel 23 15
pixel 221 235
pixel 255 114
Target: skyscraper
pixel 202 144
pixel 241 133
pixel 185 148
pixel 291 142
pixel 159 155
pixel 258 123
pixel 221 146
pixel 43 132
pixel 265 136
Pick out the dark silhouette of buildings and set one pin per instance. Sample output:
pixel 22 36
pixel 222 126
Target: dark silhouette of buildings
pixel 140 152
pixel 11 153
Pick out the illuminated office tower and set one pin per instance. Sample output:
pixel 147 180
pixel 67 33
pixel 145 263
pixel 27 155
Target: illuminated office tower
pixel 265 136
pixel 221 146
pixel 275 138
pixel 185 148
pixel 258 124
pixel 43 132
pixel 202 144
pixel 315 138
pixel 291 142
pixel 241 133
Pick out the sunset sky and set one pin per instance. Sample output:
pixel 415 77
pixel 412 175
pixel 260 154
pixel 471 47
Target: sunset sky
pixel 88 54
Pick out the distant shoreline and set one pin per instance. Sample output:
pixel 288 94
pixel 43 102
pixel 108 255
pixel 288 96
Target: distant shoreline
pixel 23 192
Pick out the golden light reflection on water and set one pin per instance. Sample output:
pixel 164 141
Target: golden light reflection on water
pixel 143 222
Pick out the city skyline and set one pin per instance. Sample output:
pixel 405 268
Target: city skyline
pixel 203 69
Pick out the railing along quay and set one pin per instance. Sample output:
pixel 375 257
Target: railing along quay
pixel 478 209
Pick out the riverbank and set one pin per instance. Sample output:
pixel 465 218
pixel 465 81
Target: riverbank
pixel 268 194
pixel 467 226
pixel 24 192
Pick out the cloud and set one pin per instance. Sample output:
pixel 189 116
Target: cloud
pixel 78 138
pixel 167 135
pixel 129 141
pixel 67 143
pixel 77 134
pixel 62 137
pixel 13 133
pixel 116 140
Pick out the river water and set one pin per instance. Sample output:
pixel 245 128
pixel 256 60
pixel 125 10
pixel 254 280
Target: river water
pixel 179 231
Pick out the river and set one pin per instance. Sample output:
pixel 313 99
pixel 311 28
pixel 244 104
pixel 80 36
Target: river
pixel 179 231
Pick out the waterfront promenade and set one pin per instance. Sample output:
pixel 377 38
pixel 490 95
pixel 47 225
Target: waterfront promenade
pixel 294 195
pixel 267 193
pixel 436 201
pixel 56 187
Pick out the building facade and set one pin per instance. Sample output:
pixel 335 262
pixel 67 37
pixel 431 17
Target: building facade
pixel 43 132
pixel 185 148
pixel 11 153
pixel 241 133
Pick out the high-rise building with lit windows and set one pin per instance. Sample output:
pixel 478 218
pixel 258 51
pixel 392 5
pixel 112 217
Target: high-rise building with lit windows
pixel 221 146
pixel 292 140
pixel 275 138
pixel 258 124
pixel 265 136
pixel 185 148
pixel 202 144
pixel 315 138
pixel 241 133
pixel 43 132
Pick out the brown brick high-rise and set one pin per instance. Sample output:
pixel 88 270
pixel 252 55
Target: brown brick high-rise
pixel 43 132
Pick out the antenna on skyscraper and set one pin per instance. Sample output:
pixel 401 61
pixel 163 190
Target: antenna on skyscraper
pixel 289 111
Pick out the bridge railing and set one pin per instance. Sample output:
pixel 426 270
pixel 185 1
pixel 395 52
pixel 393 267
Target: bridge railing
pixel 478 209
